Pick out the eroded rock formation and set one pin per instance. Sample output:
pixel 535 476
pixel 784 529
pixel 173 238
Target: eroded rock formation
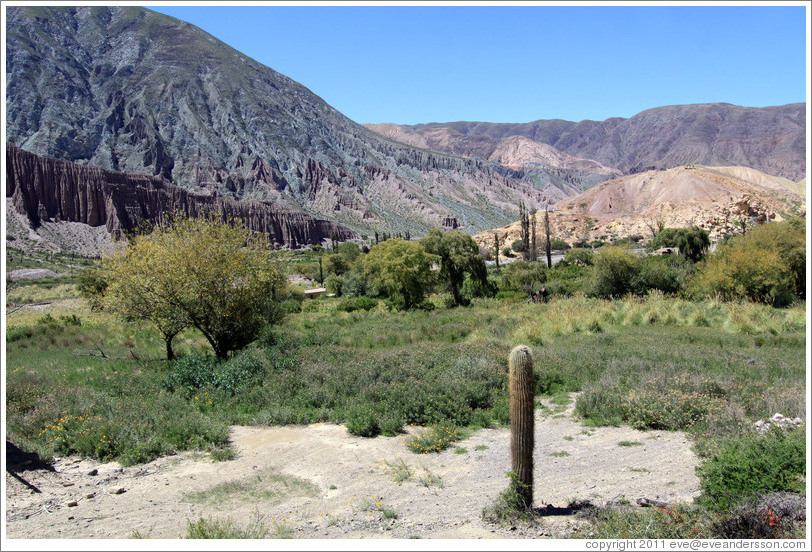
pixel 46 189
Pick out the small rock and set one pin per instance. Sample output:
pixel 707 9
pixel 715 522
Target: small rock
pixel 90 495
pixel 94 471
pixel 118 490
pixel 68 484
pixel 750 361
pixel 72 503
pixel 71 517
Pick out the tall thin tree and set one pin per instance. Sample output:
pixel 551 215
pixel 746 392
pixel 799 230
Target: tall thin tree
pixel 548 245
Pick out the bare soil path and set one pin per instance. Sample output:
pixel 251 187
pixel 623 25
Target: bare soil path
pixel 319 482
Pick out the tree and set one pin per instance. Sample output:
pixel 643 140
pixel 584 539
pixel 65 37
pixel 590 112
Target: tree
pixel 496 249
pixel 692 242
pixel 524 224
pixel 548 243
pixel 459 255
pixel 135 291
pixel 212 274
pixel 400 269
pixel 533 247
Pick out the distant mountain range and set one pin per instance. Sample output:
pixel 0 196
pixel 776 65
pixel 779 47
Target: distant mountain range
pixel 131 91
pixel 770 139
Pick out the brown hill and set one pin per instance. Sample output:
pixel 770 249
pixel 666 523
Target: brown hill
pixel 518 152
pixel 718 199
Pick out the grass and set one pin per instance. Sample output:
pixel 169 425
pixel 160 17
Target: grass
pixel 84 382
pixel 559 454
pixel 630 444
pixel 268 487
pixel 399 470
pixel 228 529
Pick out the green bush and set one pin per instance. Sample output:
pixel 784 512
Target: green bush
pixel 523 276
pixel 194 372
pixel 578 256
pixel 362 420
pixel 614 270
pixel 753 464
pixel 766 265
pixel 356 303
pixel 662 272
pixel 433 439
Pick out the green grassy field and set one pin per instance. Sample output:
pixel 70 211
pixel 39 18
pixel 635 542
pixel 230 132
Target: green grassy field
pixel 85 382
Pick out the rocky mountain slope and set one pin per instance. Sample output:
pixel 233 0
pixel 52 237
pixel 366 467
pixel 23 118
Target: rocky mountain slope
pixel 46 191
pixel 130 90
pixel 718 199
pixel 769 139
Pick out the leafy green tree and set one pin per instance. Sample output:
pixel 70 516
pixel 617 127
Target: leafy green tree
pixel 335 264
pixel 459 255
pixel 692 242
pixel 91 287
pixel 349 250
pixel 136 290
pixel 400 269
pixel 214 275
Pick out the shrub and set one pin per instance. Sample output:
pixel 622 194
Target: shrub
pixel 557 244
pixel 356 303
pixel 362 420
pixel 613 273
pixel 433 439
pixel 194 372
pixel 578 256
pixel 678 403
pixel 523 276
pixel 518 246
pixel 658 273
pixel 774 516
pixel 750 464
pixel 766 265
pixel 91 287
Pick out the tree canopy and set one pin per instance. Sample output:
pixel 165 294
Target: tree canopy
pixel 459 255
pixel 401 269
pixel 205 272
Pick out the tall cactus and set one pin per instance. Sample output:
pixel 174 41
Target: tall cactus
pixel 522 389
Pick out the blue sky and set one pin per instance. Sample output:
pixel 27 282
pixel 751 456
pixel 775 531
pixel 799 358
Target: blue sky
pixel 424 64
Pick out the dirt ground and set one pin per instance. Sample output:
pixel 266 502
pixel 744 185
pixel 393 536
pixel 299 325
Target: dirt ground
pixel 319 482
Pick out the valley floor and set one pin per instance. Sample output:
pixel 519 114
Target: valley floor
pixel 319 482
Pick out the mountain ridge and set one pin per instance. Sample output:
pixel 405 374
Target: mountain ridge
pixel 771 139
pixel 131 90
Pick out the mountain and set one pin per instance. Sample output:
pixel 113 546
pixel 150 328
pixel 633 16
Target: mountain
pixel 769 139
pixel 714 198
pixel 129 90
